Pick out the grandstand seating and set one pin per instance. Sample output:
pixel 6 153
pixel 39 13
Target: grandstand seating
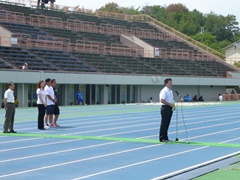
pixel 15 8
pixel 168 44
pixel 23 29
pixel 60 60
pixel 5 65
pixel 90 36
pixel 58 14
pixel 101 63
pixel 64 33
pixel 16 57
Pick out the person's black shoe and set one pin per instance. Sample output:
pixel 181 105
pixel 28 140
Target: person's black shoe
pixel 5 132
pixel 12 131
pixel 165 140
pixel 41 128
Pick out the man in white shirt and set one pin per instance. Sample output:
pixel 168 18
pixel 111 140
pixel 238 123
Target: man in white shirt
pixel 25 67
pixel 9 106
pixel 166 100
pixel 50 108
pixel 220 97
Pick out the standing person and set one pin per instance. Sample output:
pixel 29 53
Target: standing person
pixel 80 97
pixel 50 108
pixel 166 100
pixel 41 103
pixel 220 97
pixel 56 109
pixel 52 4
pixel 9 106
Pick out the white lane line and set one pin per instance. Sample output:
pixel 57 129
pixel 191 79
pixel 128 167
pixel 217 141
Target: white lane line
pixel 127 118
pixel 79 160
pixel 193 129
pixel 74 149
pixel 56 152
pixel 39 145
pixel 173 126
pixel 126 122
pixel 196 166
pixel 218 132
pixel 130 126
pixel 147 161
pixel 19 140
pixel 139 163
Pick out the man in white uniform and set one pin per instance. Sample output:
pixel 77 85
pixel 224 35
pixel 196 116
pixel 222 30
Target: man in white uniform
pixel 220 97
pixel 166 100
pixel 50 108
pixel 9 106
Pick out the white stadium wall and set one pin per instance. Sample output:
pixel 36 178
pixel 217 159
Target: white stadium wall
pixel 142 87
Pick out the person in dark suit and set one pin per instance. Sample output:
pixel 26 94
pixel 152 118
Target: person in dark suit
pixel 166 100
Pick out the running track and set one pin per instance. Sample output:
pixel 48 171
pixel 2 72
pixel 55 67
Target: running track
pixel 37 155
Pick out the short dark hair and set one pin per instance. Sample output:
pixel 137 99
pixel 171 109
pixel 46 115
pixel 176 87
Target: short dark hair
pixel 10 83
pixel 47 80
pixel 167 80
pixel 53 80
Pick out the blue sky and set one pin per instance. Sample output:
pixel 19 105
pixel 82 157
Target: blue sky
pixel 223 7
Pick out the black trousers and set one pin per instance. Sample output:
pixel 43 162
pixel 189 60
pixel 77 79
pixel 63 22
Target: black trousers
pixel 41 114
pixel 166 113
pixel 9 117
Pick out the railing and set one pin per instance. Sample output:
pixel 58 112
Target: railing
pixel 40 44
pixel 57 39
pixel 85 48
pixel 10 16
pixel 77 25
pixel 231 97
pixel 100 44
pixel 127 17
pixel 120 51
pixel 46 21
pixel 150 34
pixel 112 29
pixel 14 2
pixel 176 54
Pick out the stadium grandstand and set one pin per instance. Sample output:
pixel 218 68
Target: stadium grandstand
pixel 113 58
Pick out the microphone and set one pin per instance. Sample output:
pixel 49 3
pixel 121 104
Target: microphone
pixel 176 92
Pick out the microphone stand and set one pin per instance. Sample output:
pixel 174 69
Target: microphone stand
pixel 177 117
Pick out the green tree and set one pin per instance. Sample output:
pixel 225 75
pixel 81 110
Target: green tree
pixel 191 23
pixel 209 40
pixel 177 8
pixel 220 26
pixel 157 12
pixel 114 7
pixel 110 7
